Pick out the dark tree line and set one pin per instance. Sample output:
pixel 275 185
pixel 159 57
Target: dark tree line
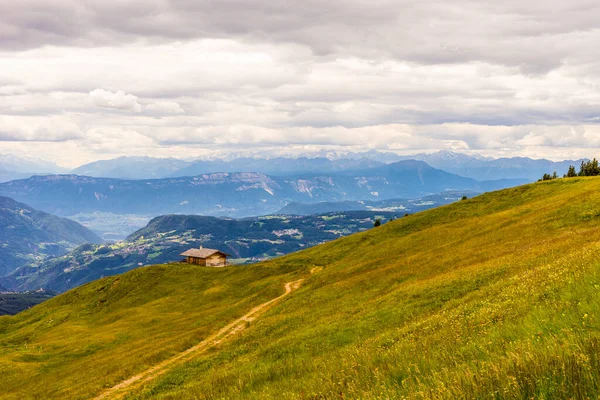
pixel 587 168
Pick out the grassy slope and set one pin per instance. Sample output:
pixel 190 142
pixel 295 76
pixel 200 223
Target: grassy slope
pixel 495 296
pixel 98 334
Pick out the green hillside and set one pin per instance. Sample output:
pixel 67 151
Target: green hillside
pixel 493 297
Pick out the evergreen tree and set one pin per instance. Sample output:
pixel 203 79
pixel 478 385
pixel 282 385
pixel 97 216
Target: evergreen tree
pixel 377 223
pixel 571 173
pixel 589 168
pixel 581 169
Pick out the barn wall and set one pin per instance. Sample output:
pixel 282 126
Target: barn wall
pixel 212 261
pixel 216 261
pixel 196 261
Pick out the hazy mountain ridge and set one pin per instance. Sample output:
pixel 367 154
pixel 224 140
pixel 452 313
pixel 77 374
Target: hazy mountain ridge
pixel 157 168
pixel 6 176
pixel 27 234
pixel 236 194
pixel 399 206
pixel 470 166
pixel 485 168
pixel 132 168
pixel 17 167
pixel 278 166
pixel 13 163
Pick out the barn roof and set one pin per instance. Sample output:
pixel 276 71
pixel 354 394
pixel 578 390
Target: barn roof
pixel 201 253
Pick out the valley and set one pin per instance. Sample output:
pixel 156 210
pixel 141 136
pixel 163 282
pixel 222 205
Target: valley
pixel 248 240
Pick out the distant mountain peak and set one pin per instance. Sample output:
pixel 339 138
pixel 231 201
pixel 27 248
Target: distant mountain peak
pixel 14 163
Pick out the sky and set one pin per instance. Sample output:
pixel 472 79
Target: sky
pixel 82 80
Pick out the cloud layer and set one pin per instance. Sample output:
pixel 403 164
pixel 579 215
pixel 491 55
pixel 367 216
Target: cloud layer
pixel 189 78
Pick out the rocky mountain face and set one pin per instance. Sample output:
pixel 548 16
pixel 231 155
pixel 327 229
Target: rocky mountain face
pixel 165 238
pixel 27 235
pixel 236 194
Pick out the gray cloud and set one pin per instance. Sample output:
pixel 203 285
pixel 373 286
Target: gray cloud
pixel 536 35
pixel 116 100
pixel 38 129
pixel 175 77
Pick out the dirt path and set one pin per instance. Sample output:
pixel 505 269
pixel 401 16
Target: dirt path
pixel 119 390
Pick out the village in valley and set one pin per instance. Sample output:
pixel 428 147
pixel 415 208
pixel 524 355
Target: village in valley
pixel 166 238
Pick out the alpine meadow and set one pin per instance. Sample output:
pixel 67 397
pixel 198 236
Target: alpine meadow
pixel 497 296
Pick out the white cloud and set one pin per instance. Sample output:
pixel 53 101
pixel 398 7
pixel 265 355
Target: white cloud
pixel 116 100
pixel 165 107
pixel 38 129
pixel 11 90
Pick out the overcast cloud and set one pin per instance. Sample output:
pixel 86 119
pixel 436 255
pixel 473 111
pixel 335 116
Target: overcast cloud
pixel 82 80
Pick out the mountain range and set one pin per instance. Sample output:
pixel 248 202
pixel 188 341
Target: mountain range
pixel 154 168
pixel 27 235
pixel 236 194
pixel 475 167
pixel 485 168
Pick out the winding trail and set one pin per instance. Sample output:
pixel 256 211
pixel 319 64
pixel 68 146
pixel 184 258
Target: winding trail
pixel 121 389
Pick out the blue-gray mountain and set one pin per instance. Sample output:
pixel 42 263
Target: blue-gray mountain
pixel 479 168
pixel 27 234
pixel 15 167
pixel 484 168
pixel 398 206
pixel 155 168
pixel 132 168
pixel 279 166
pixel 236 194
pixel 166 237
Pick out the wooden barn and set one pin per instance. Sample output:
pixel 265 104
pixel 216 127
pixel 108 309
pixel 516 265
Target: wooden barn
pixel 206 257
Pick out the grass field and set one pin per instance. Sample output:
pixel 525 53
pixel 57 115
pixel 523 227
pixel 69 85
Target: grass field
pixel 493 297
